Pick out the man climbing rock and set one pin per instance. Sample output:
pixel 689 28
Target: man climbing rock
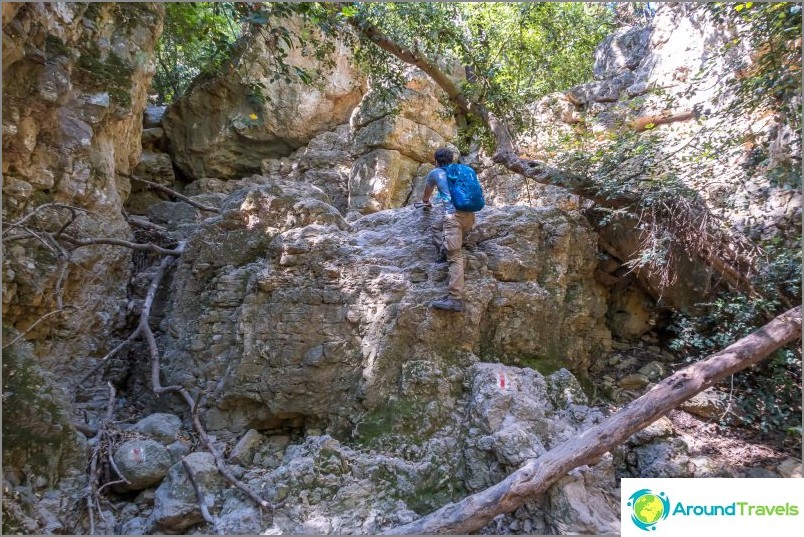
pixel 459 196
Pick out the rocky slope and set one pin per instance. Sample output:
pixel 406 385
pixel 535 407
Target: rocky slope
pixel 298 314
pixel 74 83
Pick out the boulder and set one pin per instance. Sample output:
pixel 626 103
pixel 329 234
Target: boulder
pixel 142 462
pixel 161 427
pixel 279 296
pixel 225 127
pixel 176 504
pixel 381 179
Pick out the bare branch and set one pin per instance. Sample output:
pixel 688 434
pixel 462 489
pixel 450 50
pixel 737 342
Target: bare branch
pixel 202 504
pixel 533 479
pixel 157 387
pixel 38 208
pixel 111 353
pixel 119 242
pixel 92 492
pixel 39 320
pixel 173 193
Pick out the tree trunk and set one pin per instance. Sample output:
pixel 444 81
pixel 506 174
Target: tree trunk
pixel 474 512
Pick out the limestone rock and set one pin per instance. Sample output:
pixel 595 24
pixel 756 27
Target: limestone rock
pixel 175 504
pixel 708 404
pixel 790 468
pixel 634 381
pixel 161 427
pixel 75 77
pixel 225 127
pixel 678 66
pixel 152 116
pixel 380 179
pixel 279 295
pixel 245 448
pixel 142 462
pixel 155 167
pixel 153 138
pixel 393 138
pixel 622 50
pixel 630 313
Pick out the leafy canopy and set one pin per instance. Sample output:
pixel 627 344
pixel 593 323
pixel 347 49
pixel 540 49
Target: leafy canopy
pixel 512 52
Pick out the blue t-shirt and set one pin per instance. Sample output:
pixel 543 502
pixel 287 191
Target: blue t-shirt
pixel 438 177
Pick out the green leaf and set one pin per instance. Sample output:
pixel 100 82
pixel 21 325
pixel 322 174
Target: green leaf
pixel 349 11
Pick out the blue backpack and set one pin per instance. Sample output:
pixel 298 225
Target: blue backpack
pixel 464 188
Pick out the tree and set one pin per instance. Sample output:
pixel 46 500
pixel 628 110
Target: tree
pixel 198 37
pixel 432 36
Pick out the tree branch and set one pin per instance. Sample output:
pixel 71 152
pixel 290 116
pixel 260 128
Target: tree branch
pixel 157 387
pixel 172 193
pixel 507 155
pixel 120 242
pixel 202 504
pixel 505 142
pixel 474 512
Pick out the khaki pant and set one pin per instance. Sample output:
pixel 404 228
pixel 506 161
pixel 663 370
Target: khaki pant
pixel 449 232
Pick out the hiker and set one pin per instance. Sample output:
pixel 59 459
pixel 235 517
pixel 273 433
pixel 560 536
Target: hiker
pixel 449 224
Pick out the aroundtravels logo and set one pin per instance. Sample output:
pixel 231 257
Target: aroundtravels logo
pixel 710 506
pixel 648 508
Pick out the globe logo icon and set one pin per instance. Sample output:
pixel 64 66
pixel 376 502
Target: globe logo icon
pixel 648 508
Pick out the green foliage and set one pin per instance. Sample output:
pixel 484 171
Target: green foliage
pixel 203 40
pixel 771 76
pixel 512 53
pixel 768 395
pixel 198 37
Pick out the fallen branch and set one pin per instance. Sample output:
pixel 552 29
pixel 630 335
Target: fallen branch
pixel 644 123
pixel 156 384
pixel 533 479
pixel 172 192
pixel 92 491
pixel 202 504
pixel 147 247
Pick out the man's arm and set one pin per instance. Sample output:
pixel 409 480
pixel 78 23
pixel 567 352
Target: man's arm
pixel 429 186
pixel 428 191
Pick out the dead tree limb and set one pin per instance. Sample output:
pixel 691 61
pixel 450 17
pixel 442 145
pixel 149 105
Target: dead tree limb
pixel 151 247
pixel 95 443
pixel 474 512
pixel 173 193
pixel 156 384
pixel 643 123
pixel 199 494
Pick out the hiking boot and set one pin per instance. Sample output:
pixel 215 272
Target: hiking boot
pixel 449 304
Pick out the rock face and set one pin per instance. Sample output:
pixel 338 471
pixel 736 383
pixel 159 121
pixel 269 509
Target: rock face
pixel 224 128
pixel 393 138
pixel 677 68
pixel 279 296
pixel 375 161
pixel 325 486
pixel 74 83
